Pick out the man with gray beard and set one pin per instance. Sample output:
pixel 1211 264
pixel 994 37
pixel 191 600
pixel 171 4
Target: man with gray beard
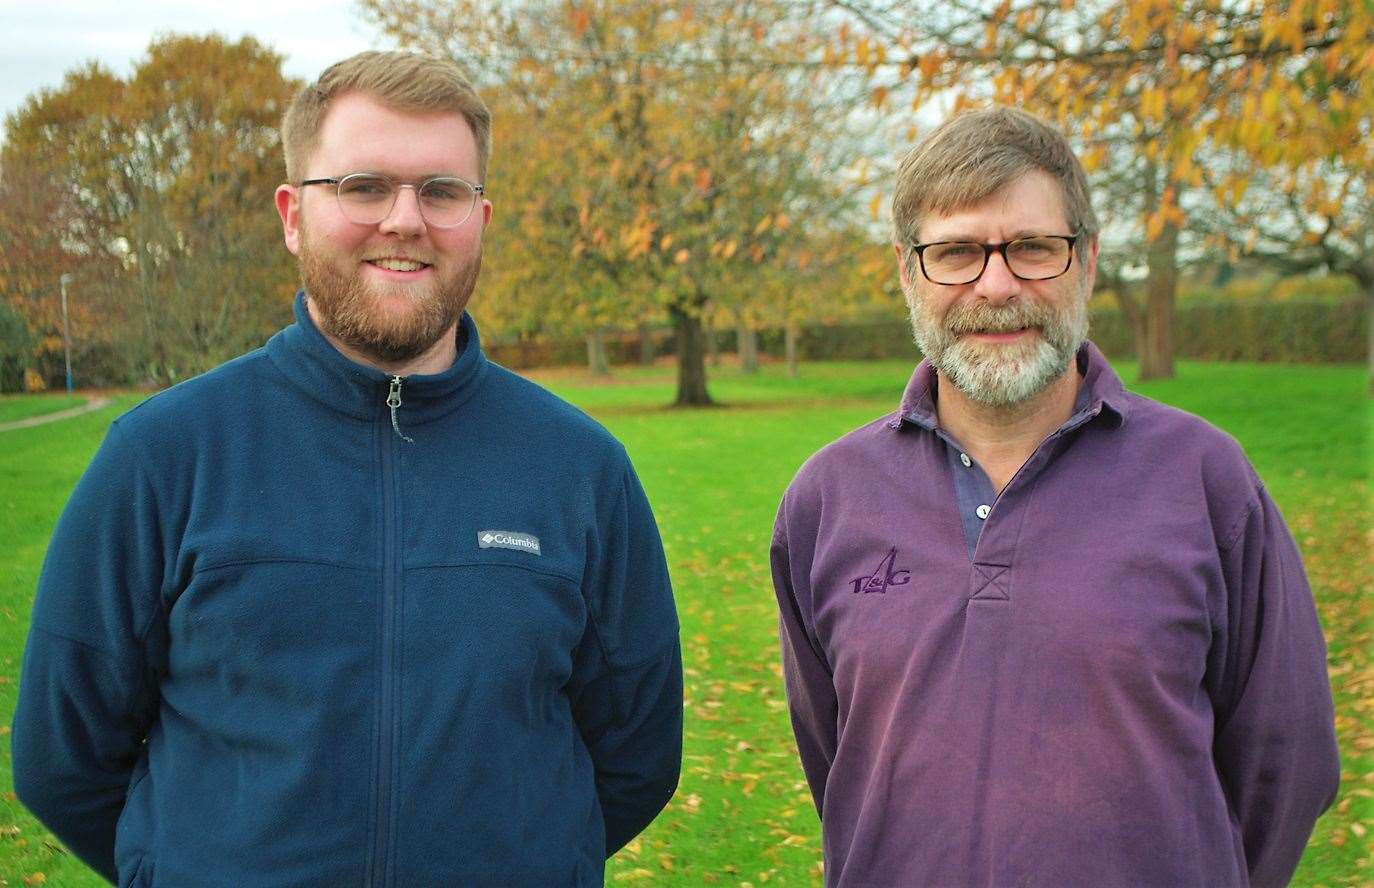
pixel 1037 630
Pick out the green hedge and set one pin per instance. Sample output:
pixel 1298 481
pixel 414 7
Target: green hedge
pixel 1289 331
pixel 1301 331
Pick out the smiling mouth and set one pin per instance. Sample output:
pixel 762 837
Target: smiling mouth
pixel 392 264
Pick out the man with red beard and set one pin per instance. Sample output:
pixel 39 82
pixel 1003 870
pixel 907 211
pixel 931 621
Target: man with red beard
pixel 1037 630
pixel 359 607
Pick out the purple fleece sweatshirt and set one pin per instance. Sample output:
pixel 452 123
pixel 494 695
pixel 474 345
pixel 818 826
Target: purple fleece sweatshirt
pixel 1124 684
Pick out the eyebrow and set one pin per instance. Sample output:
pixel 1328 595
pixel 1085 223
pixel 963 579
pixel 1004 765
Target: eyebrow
pixel 963 237
pixel 423 177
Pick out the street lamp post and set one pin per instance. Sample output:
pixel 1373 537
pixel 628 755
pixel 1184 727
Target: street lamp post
pixel 66 336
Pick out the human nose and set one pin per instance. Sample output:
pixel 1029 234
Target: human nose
pixel 997 285
pixel 405 218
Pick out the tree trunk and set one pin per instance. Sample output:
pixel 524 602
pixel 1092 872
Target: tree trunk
pixel 597 364
pixel 712 344
pixel 1365 275
pixel 646 345
pixel 1161 285
pixel 1155 346
pixel 691 354
pixel 1129 304
pixel 747 344
pixel 789 340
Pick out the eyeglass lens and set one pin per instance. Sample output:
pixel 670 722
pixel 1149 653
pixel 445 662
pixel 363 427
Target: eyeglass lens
pixel 1031 258
pixel 444 202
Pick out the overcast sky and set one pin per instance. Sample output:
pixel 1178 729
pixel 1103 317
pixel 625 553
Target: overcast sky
pixel 41 40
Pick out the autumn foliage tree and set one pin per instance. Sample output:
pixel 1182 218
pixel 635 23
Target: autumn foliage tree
pixel 652 159
pixel 156 194
pixel 1183 108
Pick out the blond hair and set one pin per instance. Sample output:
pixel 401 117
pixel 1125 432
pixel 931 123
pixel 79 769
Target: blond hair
pixel 404 81
pixel 975 154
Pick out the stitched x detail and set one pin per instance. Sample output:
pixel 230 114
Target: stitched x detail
pixel 991 581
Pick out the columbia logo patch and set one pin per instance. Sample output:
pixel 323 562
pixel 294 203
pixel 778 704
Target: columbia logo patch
pixel 508 539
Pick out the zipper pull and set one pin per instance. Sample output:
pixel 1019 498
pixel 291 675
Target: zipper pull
pixel 393 400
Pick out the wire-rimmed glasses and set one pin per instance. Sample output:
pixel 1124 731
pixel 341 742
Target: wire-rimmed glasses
pixel 368 198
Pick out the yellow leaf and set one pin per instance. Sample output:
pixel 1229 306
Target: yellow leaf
pixel 634 875
pixel 681 256
pixel 1154 226
pixel 1152 103
pixel 764 224
pixel 1269 102
pixel 875 205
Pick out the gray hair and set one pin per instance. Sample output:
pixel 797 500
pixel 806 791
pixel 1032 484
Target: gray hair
pixel 973 155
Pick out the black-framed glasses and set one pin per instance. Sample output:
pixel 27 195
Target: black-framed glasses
pixel 1037 258
pixel 367 198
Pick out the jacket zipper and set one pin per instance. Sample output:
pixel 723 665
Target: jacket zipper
pixel 393 400
pixel 386 752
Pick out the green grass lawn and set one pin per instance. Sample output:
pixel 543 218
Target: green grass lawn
pixel 14 407
pixel 742 814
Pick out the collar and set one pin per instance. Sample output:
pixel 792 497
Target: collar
pixel 318 369
pixel 1101 393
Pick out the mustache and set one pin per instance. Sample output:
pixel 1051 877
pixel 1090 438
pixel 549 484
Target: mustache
pixel 980 318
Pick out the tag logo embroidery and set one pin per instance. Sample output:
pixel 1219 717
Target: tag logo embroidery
pixel 884 576
pixel 508 539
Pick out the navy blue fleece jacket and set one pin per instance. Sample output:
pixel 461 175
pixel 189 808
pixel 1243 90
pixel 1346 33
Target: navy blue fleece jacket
pixel 275 643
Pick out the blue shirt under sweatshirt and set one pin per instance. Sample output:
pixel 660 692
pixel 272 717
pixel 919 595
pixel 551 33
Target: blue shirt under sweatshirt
pixel 275 643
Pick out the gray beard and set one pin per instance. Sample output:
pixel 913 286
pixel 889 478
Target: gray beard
pixel 348 310
pixel 1000 376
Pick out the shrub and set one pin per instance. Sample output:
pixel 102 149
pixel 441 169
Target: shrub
pixel 16 349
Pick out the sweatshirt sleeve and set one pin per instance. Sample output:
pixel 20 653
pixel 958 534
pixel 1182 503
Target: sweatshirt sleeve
pixel 810 686
pixel 1275 744
pixel 627 684
pixel 87 696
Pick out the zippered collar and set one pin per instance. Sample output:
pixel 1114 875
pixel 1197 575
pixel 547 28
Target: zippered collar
pixel 307 359
pixel 1100 390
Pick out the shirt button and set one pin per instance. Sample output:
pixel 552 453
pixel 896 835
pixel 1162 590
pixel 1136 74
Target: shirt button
pixel 963 458
pixel 983 511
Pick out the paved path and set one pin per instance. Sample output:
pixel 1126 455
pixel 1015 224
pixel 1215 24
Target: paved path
pixel 92 404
